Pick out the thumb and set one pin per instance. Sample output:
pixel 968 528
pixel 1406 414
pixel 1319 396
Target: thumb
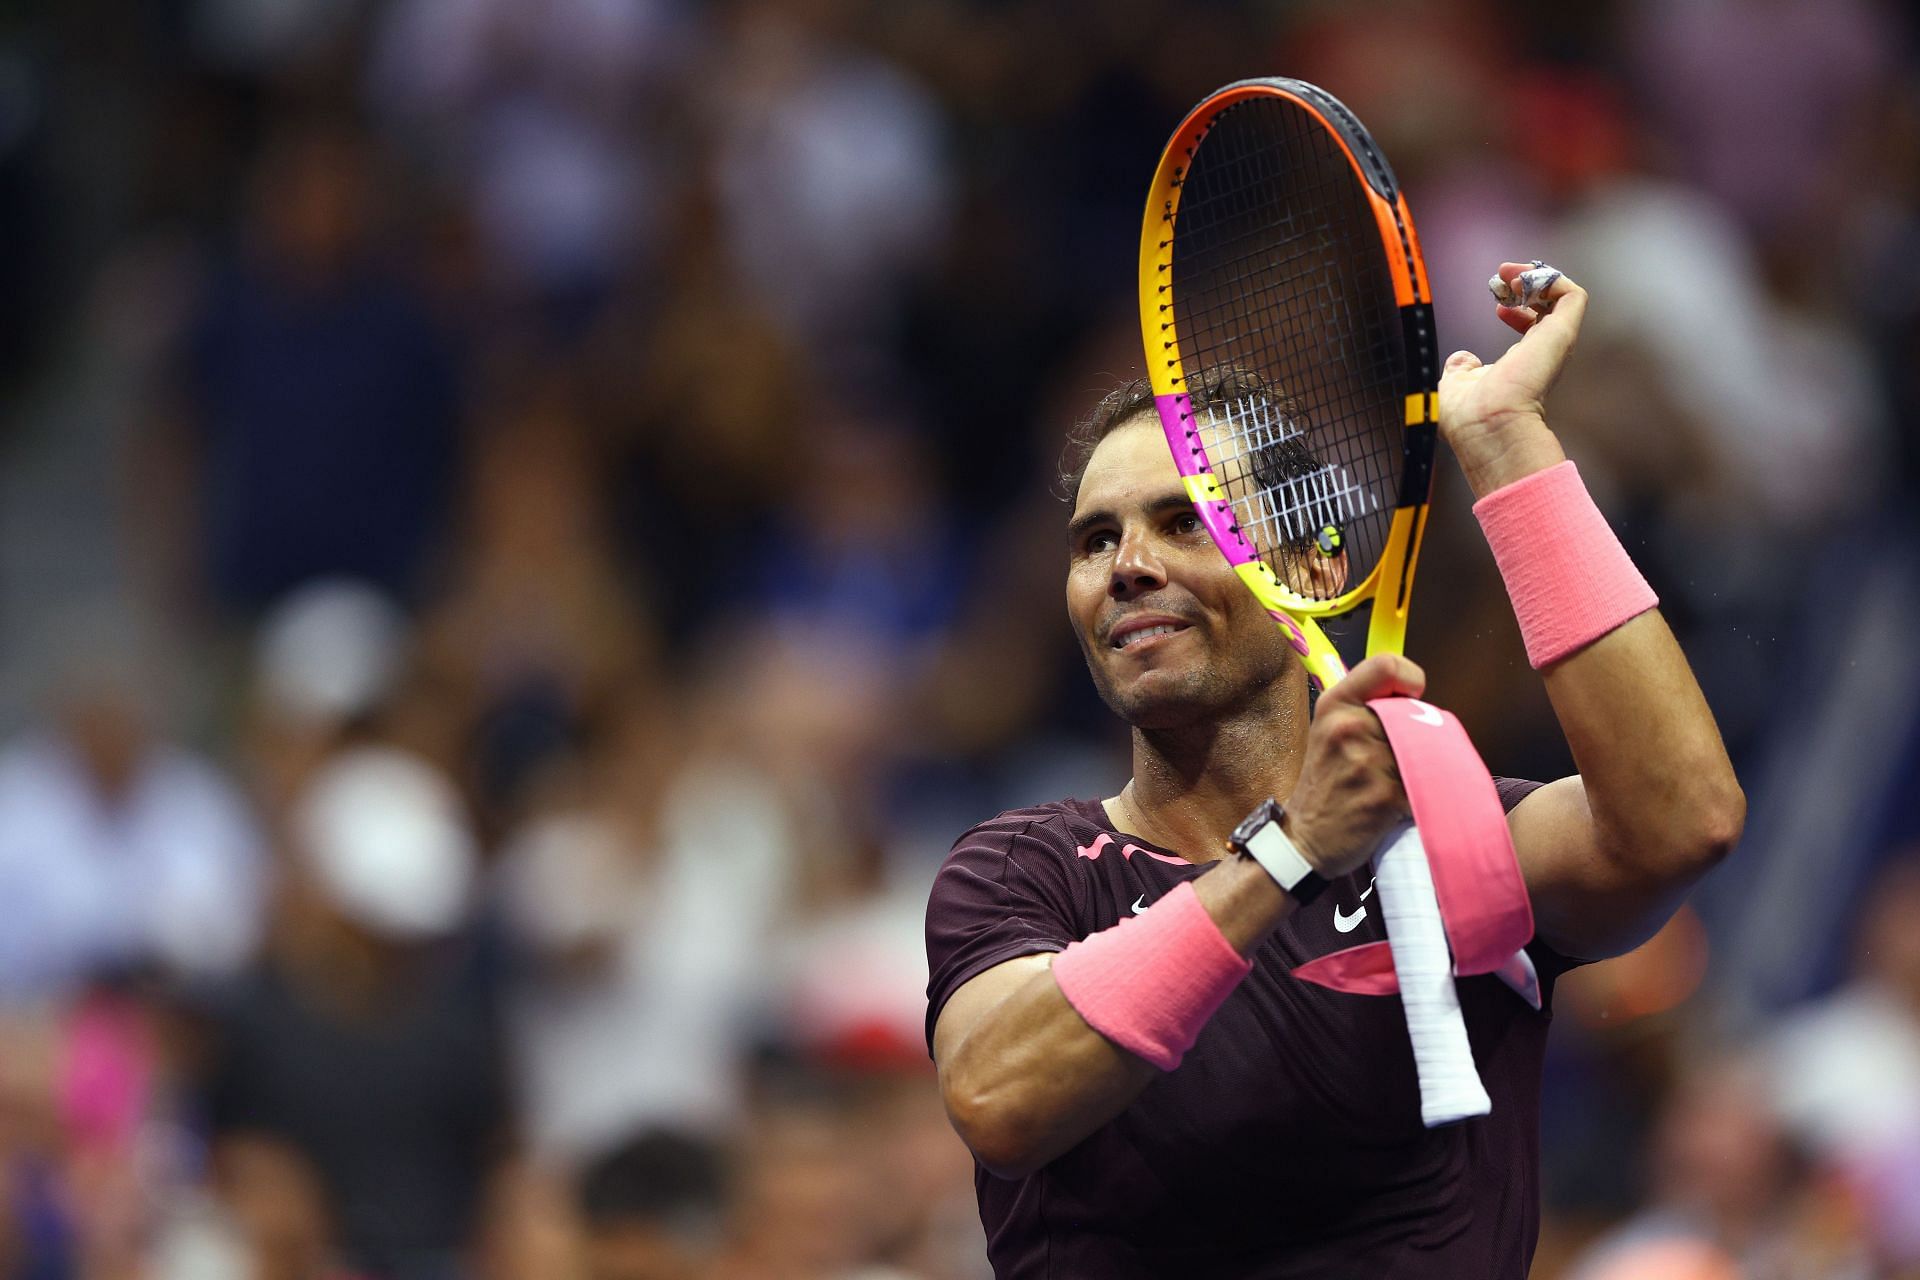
pixel 1461 361
pixel 1381 676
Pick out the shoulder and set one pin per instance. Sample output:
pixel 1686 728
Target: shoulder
pixel 1021 858
pixel 1010 888
pixel 1059 827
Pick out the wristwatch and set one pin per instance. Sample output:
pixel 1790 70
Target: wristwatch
pixel 1259 837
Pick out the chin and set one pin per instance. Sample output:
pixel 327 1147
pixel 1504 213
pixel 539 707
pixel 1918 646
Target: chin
pixel 1177 697
pixel 1162 699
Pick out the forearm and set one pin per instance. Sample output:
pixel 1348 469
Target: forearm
pixel 1032 1079
pixel 1606 854
pixel 1662 792
pixel 1659 786
pixel 1504 456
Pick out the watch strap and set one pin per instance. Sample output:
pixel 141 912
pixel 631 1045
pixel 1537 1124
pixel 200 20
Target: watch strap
pixel 1261 838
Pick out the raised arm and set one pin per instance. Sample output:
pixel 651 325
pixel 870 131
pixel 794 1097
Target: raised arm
pixel 1608 854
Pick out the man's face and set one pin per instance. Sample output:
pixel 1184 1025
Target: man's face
pixel 1170 633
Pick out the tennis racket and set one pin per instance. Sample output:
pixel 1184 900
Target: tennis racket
pixel 1290 342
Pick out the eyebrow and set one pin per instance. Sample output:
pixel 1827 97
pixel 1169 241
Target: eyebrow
pixel 1080 524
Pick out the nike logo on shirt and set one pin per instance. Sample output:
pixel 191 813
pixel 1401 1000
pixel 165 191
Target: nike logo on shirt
pixel 1348 923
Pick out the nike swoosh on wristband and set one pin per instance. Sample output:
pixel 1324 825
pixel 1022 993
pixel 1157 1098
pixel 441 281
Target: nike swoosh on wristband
pixel 1140 904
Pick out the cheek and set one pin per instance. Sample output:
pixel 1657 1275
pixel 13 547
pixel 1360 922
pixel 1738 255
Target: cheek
pixel 1228 595
pixel 1086 592
pixel 1246 618
pixel 1255 633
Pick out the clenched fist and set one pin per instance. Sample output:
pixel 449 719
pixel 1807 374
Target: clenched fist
pixel 1348 797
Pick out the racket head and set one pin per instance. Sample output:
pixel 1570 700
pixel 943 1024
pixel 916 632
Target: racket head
pixel 1288 327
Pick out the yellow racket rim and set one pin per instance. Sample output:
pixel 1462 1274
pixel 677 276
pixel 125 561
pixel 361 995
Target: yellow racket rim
pixel 1389 582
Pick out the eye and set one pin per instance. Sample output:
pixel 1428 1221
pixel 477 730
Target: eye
pixel 1101 540
pixel 1187 522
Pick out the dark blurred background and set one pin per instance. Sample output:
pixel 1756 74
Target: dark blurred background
pixel 526 529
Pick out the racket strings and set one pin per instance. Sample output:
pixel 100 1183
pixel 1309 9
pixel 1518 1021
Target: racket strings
pixel 1332 482
pixel 1290 340
pixel 1297 503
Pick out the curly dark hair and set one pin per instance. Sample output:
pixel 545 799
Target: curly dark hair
pixel 1215 388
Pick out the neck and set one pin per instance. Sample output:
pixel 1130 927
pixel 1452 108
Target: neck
pixel 1192 785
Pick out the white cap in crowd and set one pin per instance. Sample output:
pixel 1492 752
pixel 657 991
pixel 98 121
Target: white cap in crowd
pixel 386 838
pixel 331 650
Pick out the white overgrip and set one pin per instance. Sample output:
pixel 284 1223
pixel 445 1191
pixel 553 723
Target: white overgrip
pixel 1450 1087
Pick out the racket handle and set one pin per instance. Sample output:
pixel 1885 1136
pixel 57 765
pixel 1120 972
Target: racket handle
pixel 1450 1088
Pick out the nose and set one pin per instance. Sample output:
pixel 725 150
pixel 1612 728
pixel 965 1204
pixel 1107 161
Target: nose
pixel 1137 567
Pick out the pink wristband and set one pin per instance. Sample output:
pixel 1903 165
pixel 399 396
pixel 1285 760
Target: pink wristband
pixel 1570 580
pixel 1151 982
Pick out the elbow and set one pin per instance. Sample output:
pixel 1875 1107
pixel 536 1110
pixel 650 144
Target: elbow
pixel 1676 842
pixel 1700 835
pixel 1722 816
pixel 1002 1144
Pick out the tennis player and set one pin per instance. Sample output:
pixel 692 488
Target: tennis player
pixel 1146 1091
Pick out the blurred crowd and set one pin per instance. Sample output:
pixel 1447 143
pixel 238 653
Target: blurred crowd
pixel 525 530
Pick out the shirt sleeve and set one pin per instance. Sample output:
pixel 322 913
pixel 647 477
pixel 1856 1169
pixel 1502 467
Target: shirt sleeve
pixel 1514 790
pixel 1000 894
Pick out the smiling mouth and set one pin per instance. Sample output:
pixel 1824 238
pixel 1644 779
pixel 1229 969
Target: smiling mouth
pixel 1144 634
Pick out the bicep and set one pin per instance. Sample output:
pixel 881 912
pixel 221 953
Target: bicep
pixel 1585 904
pixel 974 1001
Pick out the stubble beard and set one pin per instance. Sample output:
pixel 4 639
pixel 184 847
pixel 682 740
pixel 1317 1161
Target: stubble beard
pixel 1204 693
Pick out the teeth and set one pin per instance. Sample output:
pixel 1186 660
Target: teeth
pixel 1134 637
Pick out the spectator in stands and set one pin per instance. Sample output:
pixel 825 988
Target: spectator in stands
pixel 1845 1070
pixel 655 1208
pixel 120 850
pixel 364 1043
pixel 318 398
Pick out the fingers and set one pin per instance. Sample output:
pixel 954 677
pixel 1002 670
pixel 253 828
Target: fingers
pixel 1529 291
pixel 1460 367
pixel 1518 319
pixel 1545 307
pixel 1528 284
pixel 1552 335
pixel 1349 794
pixel 1382 675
